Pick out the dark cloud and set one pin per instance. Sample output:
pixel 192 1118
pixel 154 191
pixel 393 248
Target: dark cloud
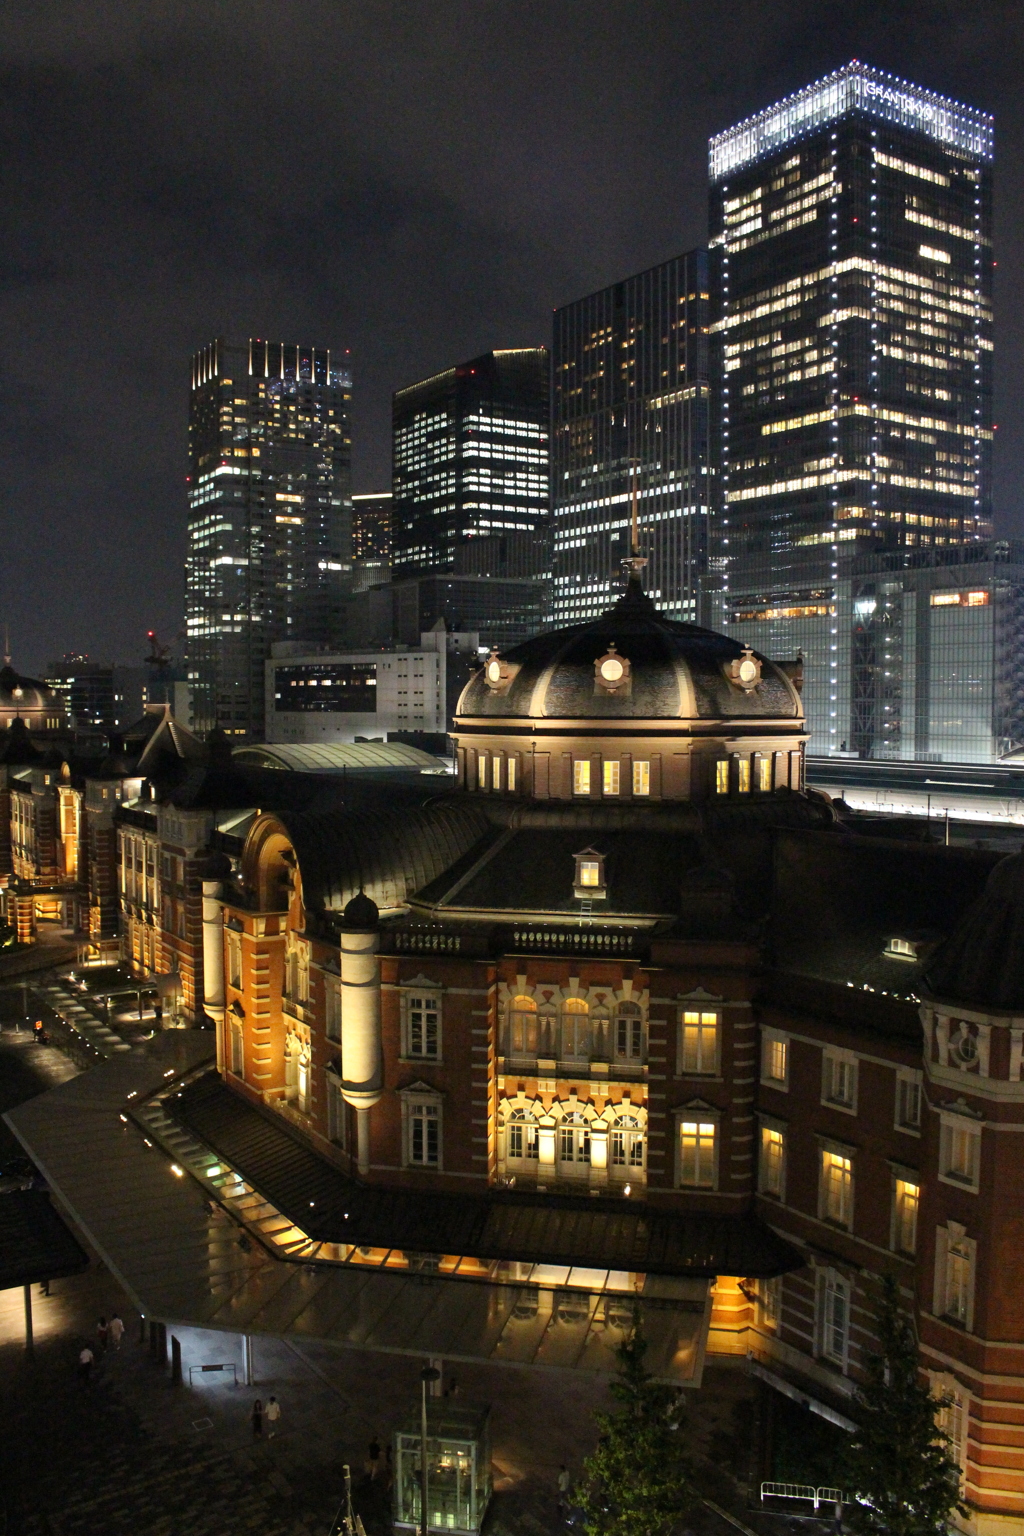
pixel 416 181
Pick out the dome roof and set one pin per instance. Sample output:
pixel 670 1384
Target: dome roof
pixel 361 912
pixel 674 671
pixel 982 964
pixel 18 693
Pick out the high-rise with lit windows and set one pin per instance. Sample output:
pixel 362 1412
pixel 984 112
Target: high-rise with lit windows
pixel 851 355
pixel 630 400
pixel 269 517
pixel 470 460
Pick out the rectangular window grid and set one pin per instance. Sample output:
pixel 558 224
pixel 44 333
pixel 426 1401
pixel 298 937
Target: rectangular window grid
pixel 424 1135
pixel 424 1020
pixel 697 1153
pixel 700 1042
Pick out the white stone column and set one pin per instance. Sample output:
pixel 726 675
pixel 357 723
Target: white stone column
pixel 598 1153
pixel 361 1054
pixel 546 1130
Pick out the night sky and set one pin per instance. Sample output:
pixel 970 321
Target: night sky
pixel 414 181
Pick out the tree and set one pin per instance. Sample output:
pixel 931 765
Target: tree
pixel 898 1458
pixel 638 1481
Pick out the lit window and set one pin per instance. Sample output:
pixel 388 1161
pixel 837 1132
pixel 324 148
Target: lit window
pixel 836 1188
pixel 510 775
pixel 496 774
pixel 722 776
pixel 697 1140
pixel 743 775
pixel 833 1317
pixel 575 1030
pixel 481 770
pixel 424 1135
pixel 610 778
pixel 775 1059
pixel 581 776
pixel 907 1197
pixel 522 1027
pixel 839 1080
pixel 574 1139
pixel 590 872
pixel 641 778
pixel 764 774
pixel 699 1054
pixel 773 1151
pixel 424 1015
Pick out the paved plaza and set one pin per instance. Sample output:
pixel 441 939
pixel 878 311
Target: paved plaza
pixel 130 1451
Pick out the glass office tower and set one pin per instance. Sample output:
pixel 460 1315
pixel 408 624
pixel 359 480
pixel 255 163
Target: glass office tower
pixel 470 460
pixel 851 356
pixel 269 517
pixel 630 398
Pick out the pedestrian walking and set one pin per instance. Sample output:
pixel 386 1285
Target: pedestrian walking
pixel 257 1419
pixel 102 1333
pixel 85 1360
pixel 373 1458
pixel 115 1331
pixel 273 1414
pixel 563 1488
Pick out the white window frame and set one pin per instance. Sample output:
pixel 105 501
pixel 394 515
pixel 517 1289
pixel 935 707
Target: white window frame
pixel 769 1303
pixel 768 1129
pixel 957 1133
pixel 954 1418
pixel 633 1026
pixel 630 1139
pixel 419 1103
pixel 902 1180
pixel 835 1065
pixel 610 776
pixel 236 1048
pixel 234 960
pixel 581 775
pixel 909 1087
pixel 951 1245
pixel 523 1120
pixel 417 1000
pixel 705 1022
pixel 833 1287
pixel 641 777
pixel 700 1115
pixel 769 1039
pixel 827 1151
pixel 574 1130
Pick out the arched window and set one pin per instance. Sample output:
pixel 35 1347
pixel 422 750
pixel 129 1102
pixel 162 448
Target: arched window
pixel 629 1033
pixel 522 1027
pixel 575 1030
pixel 626 1143
pixel 574 1140
pixel 521 1136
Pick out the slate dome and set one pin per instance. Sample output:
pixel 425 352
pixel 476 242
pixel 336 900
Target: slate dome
pixel 675 671
pixel 361 912
pixel 981 965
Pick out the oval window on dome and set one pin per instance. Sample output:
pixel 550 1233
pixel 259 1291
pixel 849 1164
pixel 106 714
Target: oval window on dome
pixel 612 672
pixel 494 671
pixel 611 669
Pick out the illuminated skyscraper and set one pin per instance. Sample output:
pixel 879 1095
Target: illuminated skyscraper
pixel 269 517
pixel 630 393
pixel 470 460
pixel 851 280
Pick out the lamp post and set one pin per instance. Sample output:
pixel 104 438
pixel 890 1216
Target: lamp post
pixel 428 1374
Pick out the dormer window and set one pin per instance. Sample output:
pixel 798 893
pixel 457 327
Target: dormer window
pixel 612 672
pixel 589 878
pixel 745 671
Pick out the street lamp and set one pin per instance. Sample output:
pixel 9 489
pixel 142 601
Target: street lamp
pixel 428 1375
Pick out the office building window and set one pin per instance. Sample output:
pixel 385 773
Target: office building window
pixel 771 1170
pixel 908 1100
pixel 629 1033
pixel 626 1144
pixel 906 1199
pixel 521 1140
pixel 581 776
pixel 833 1317
pixel 610 777
pixel 774 1058
pixel 698 1148
pixel 839 1079
pixel 835 1200
pixel 641 778
pixel 423 1025
pixel 960 1152
pixel 698 1043
pixel 422 1133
